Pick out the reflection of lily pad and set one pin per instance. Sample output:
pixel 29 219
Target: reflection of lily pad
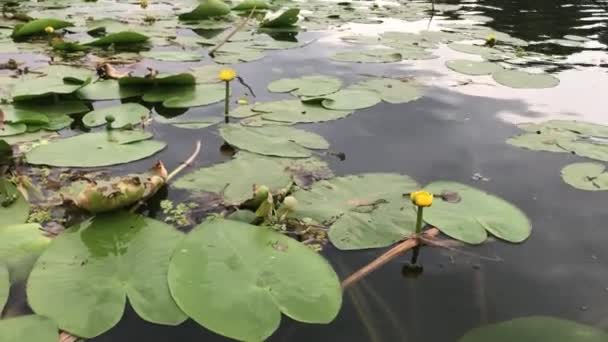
pixel 535 329
pixel 30 328
pixel 215 262
pixel 313 85
pixel 96 149
pixel 281 141
pixel 20 246
pixel 124 115
pixel 473 68
pixel 105 260
pixel 525 80
pixel 586 176
pixel 477 212
pixel 364 211
pixel 351 99
pixel 391 90
pixel 294 111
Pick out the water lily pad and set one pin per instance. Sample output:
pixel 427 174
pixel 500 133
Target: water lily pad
pixel 364 211
pixel 5 286
pixel 473 68
pixel 525 80
pixel 286 18
pixel 391 90
pixel 68 107
pixel 14 209
pixel 587 147
pixel 586 176
pixel 181 79
pixel 96 149
pixel 30 328
pixel 214 262
pixel 120 38
pixel 368 56
pixel 473 49
pixel 124 115
pixel 8 129
pixel 312 85
pixel 249 5
pixel 37 26
pixel 294 111
pixel 281 141
pixel 546 140
pixel 207 9
pixel 535 329
pixel 233 57
pixel 201 95
pixel 351 99
pixel 207 73
pixel 189 123
pixel 20 246
pixel 105 260
pixel 17 115
pixel 173 56
pixel 108 90
pixel 56 79
pixel 234 180
pixel 475 214
pixel 6 152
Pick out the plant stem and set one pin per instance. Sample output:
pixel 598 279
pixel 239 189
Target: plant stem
pixel 227 103
pixel 416 251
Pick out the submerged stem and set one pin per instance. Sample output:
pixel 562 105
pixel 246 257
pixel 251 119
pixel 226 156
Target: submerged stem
pixel 227 103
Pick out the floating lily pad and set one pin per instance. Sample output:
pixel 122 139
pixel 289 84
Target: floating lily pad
pixel 233 181
pixel 182 79
pixel 413 53
pixel 361 39
pixel 108 90
pixel 173 56
pixel 207 9
pixel 17 115
pixel 214 262
pixel 525 80
pixel 105 260
pixel 473 68
pixel 201 95
pixel 124 115
pixel 96 149
pixel 5 286
pixel 545 140
pixel 207 73
pixel 391 90
pixel 30 328
pixel 160 94
pixel 473 49
pixel 68 107
pixel 294 111
pixel 189 123
pixel 8 129
pixel 351 99
pixel 120 38
pixel 242 55
pixel 364 211
pixel 535 329
pixel 312 85
pixel 368 56
pixel 37 26
pixel 249 5
pixel 6 152
pixel 20 246
pixel 587 147
pixel 475 214
pixel 57 79
pixel 14 209
pixel 281 141
pixel 286 18
pixel 586 176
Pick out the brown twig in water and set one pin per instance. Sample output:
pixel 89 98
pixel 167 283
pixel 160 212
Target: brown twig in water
pixel 236 29
pixel 394 252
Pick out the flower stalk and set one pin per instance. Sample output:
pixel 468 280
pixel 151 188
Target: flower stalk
pixel 227 75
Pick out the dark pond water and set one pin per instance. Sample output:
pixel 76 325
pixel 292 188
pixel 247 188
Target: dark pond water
pixel 561 271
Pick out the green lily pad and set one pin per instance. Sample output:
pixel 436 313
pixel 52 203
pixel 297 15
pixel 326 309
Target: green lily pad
pixel 189 123
pixel 69 47
pixel 587 147
pixel 569 126
pixel 415 53
pixel 17 115
pixel 161 94
pixel 243 111
pixel 14 208
pixel 477 212
pixel 234 180
pixel 95 265
pixel 286 18
pixel 173 56
pixel 120 38
pixel 586 176
pixel 8 129
pixel 201 95
pixel 37 26
pixel 5 286
pixel 368 56
pixel 363 211
pixel 182 79
pixel 294 111
pixel 124 115
pixel 96 149
pixel 535 329
pixel 473 68
pixel 6 152
pixel 68 107
pixel 525 80
pixel 20 246
pixel 207 9
pixel 56 123
pixel 473 49
pixel 249 5
pixel 280 141
pixel 207 73
pixel 312 85
pixel 215 262
pixel 391 90
pixel 243 55
pixel 107 90
pixel 546 140
pixel 351 99
pixel 30 328
pixel 57 79
pixel 361 39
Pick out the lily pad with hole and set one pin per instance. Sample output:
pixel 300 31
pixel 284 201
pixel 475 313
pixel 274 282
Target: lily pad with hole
pixel 295 111
pixel 20 246
pixel 172 56
pixel 351 98
pixel 475 215
pixel 286 18
pixel 126 114
pixel 29 328
pixel 473 68
pixel 96 265
pixel 535 329
pixel 586 176
pixel 38 26
pixel 96 149
pixel 311 85
pixel 525 80
pixel 201 95
pixel 368 56
pixel 108 90
pixel 119 38
pixel 215 262
pixel 14 208
pixel 363 211
pixel 391 90
pixel 207 9
pixel 233 181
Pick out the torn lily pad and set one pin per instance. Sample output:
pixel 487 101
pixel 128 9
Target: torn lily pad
pixel 586 176
pixel 29 328
pixel 273 140
pixel 295 111
pixel 106 259
pixel 524 80
pixel 96 149
pixel 475 215
pixel 391 90
pixel 311 85
pixel 473 68
pixel 126 114
pixel 231 249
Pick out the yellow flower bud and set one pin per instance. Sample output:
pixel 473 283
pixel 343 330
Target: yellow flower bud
pixel 227 75
pixel 143 4
pixel 422 198
pixel 491 40
pixel 290 203
pixel 49 29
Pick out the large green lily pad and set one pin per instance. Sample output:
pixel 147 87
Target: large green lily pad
pixel 207 9
pixel 273 140
pixel 391 90
pixel 30 328
pixel 473 49
pixel 351 98
pixel 236 279
pixel 286 18
pixel 16 115
pixel 476 213
pixel 249 5
pixel 201 95
pixel 234 180
pixel 94 266
pixel 20 246
pixel 295 111
pixel 535 329
pixel 525 80
pixel 56 79
pixel 473 68
pixel 363 211
pixel 161 80
pixel 37 26
pixel 124 114
pixel 586 176
pixel 14 208
pixel 312 85
pixel 96 149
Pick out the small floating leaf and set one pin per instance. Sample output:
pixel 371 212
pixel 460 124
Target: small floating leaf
pixel 125 114
pixel 207 9
pixel 215 262
pixel 312 85
pixel 37 26
pixel 525 80
pixel 473 68
pixel 120 38
pixel 586 176
pixel 30 328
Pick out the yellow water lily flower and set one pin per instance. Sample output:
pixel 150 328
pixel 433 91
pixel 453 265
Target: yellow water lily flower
pixel 49 29
pixel 422 198
pixel 491 40
pixel 227 74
